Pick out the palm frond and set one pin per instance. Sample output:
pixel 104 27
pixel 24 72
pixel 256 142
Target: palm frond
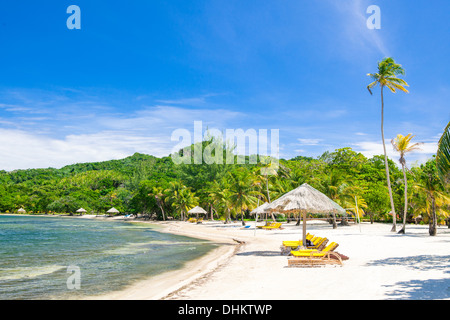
pixel 370 86
pixel 391 85
pixel 397 81
pixel 443 155
pixel 392 88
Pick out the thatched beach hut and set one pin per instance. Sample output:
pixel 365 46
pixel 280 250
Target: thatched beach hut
pixel 197 210
pixel 81 211
pixel 112 211
pixel 21 210
pixel 262 209
pixel 305 199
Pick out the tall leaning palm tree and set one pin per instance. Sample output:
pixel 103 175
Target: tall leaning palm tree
pixel 386 77
pixel 402 144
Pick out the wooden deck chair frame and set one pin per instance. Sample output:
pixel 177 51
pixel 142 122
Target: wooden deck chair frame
pixel 327 258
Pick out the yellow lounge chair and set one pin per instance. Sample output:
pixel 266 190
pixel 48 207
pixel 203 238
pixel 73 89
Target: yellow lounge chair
pixel 192 220
pixel 268 224
pixel 298 243
pixel 288 246
pixel 318 243
pixel 311 257
pixel 306 252
pixel 273 225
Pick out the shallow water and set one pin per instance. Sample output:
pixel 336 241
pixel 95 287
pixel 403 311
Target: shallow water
pixel 38 256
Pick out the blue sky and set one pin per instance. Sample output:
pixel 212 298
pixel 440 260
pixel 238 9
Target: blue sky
pixel 138 70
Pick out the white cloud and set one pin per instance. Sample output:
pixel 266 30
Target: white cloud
pixel 104 137
pixel 371 148
pixel 356 36
pixel 309 142
pixel 23 150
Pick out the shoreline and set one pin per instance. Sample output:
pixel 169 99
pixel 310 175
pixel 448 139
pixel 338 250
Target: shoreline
pixel 382 266
pixel 168 284
pixel 248 265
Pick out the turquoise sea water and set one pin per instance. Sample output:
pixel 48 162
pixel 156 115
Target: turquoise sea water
pixel 36 252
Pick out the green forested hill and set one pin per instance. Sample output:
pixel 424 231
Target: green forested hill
pixel 147 184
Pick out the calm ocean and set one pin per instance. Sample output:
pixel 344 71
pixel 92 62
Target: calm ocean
pixel 36 253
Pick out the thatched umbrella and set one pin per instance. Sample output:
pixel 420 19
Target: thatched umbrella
pixel 81 210
pixel 197 210
pixel 21 210
pixel 261 209
pixel 113 210
pixel 305 199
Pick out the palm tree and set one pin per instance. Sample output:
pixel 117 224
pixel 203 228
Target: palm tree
pixel 262 175
pixel 443 156
pixel 159 194
pixel 355 203
pixel 402 144
pixel 430 185
pixel 185 201
pixel 386 77
pixel 214 195
pixel 227 204
pixel 242 190
pixel 332 184
pixel 181 197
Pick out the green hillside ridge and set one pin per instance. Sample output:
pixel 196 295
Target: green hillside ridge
pixel 150 185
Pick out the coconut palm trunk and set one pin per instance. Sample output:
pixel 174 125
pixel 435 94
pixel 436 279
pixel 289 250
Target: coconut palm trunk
pixel 405 211
pixel 162 209
pixel 402 145
pixel 394 216
pixel 433 223
pixel 268 196
pixel 386 77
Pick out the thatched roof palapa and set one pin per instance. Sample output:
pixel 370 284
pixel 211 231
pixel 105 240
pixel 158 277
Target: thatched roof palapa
pixel 305 199
pixel 197 210
pixel 261 209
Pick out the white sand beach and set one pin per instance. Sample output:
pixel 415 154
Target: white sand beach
pixel 382 265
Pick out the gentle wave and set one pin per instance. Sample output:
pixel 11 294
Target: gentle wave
pixel 126 250
pixel 144 247
pixel 28 272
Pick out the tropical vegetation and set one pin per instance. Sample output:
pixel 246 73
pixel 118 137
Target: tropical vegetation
pixel 157 188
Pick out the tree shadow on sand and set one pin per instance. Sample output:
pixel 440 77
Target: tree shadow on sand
pixel 430 289
pixel 419 289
